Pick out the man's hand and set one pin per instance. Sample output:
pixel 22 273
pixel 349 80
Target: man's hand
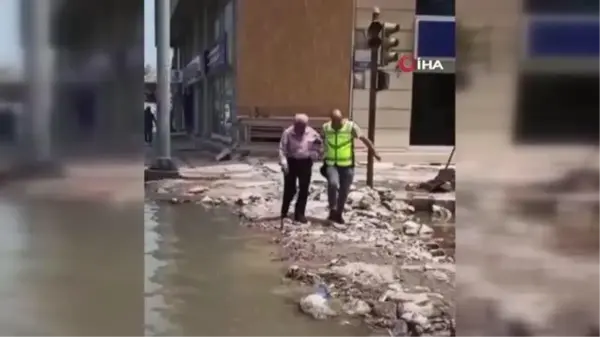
pixel 284 167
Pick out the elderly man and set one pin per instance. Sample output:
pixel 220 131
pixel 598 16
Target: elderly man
pixel 299 147
pixel 339 136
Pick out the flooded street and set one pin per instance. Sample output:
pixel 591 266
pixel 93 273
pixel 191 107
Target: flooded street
pixel 206 275
pixel 76 268
pixel 69 268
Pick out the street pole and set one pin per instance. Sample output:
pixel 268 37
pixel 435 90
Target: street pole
pixel 163 166
pixel 373 68
pixel 163 83
pixel 39 59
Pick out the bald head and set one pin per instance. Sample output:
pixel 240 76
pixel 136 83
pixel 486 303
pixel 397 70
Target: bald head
pixel 300 123
pixel 301 119
pixel 336 116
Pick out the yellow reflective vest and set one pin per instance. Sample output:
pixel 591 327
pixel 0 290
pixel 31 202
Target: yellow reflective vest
pixel 340 145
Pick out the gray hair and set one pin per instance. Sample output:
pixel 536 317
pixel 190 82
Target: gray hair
pixel 301 118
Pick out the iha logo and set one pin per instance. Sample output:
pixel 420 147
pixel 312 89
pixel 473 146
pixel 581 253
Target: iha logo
pixel 408 64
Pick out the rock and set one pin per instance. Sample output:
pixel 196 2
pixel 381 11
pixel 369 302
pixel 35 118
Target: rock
pixel 399 295
pixel 197 190
pixel 401 328
pixel 356 307
pixel 365 203
pixel 384 310
pixel 414 317
pixel 317 306
pixel 247 198
pixel 366 213
pixel 297 273
pixel 252 197
pixel 385 193
pixel 177 201
pixel 426 231
pixel 422 203
pixel 439 275
pixel 207 200
pixel 425 309
pixel 365 273
pixel 412 228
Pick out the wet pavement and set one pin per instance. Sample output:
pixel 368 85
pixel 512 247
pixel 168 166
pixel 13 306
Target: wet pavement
pixel 206 275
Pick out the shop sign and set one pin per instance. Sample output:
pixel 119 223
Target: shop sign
pixel 216 57
pixel 192 71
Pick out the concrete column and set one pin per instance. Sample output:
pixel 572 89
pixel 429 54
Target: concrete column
pixel 39 64
pixel 206 115
pixel 197 47
pixel 163 166
pixel 163 32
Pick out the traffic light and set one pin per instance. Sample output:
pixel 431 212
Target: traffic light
pixel 374 34
pixel 388 43
pixel 379 35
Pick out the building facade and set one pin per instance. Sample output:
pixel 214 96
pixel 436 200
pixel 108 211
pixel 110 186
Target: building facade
pixel 259 62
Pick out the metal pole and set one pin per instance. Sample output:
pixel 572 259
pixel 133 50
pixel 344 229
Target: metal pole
pixel 372 108
pixel 163 83
pixel 39 60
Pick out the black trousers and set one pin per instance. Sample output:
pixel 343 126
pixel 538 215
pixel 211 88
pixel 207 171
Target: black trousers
pixel 148 134
pixel 299 171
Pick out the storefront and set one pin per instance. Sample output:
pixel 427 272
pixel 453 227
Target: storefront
pixel 432 122
pixel 187 116
pixel 220 74
pixel 557 84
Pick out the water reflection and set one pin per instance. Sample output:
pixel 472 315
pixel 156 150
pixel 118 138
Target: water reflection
pixel 69 268
pixel 208 276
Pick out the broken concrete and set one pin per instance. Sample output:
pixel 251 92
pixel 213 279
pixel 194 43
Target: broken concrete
pixel 384 265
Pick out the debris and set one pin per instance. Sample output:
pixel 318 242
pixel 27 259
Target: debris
pixel 377 266
pixel 317 304
pixel 224 155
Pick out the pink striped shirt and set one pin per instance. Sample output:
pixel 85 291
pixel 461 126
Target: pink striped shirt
pixel 307 145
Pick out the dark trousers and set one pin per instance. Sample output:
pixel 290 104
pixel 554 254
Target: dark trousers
pixel 148 133
pixel 300 171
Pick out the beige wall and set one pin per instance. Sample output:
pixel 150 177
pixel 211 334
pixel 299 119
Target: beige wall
pixel 486 106
pixel 393 105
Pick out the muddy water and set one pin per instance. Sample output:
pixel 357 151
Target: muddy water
pixel 69 268
pixel 206 275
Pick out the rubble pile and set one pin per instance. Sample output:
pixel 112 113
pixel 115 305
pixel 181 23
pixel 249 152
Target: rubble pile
pixel 384 265
pixel 378 294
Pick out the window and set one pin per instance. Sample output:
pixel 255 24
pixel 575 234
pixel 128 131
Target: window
pixel 229 27
pixel 216 91
pixel 562 7
pixel 436 7
pixel 359 80
pixel 441 110
pixel 217 28
pixel 566 103
pixel 360 38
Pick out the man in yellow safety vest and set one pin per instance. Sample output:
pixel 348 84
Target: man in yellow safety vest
pixel 339 134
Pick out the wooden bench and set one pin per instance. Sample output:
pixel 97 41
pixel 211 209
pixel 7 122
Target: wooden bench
pixel 268 129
